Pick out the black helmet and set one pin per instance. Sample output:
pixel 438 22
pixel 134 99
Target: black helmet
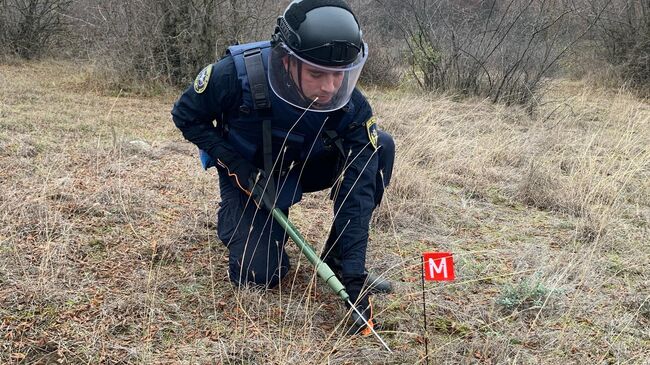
pixel 325 32
pixel 317 55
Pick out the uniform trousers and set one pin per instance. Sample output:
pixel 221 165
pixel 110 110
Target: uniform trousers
pixel 255 241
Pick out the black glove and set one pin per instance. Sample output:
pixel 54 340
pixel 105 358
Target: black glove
pixel 360 297
pixel 261 190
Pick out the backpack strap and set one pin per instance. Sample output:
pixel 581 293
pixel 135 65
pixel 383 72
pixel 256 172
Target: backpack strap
pixel 257 79
pixel 261 102
pixel 268 156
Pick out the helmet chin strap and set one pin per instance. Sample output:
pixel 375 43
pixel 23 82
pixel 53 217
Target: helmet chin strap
pixel 299 83
pixel 307 100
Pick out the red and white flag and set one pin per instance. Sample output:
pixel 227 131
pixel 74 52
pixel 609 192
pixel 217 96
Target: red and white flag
pixel 438 266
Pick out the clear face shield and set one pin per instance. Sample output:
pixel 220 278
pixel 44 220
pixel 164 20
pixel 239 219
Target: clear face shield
pixel 309 86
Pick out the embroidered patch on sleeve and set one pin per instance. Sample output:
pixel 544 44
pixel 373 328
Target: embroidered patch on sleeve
pixel 373 135
pixel 202 79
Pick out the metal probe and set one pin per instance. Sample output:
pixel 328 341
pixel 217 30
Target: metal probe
pixel 369 326
pixel 322 269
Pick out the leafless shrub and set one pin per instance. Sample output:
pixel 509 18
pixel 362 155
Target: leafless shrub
pixel 385 61
pixel 27 27
pixel 382 67
pixel 168 42
pixel 498 49
pixel 623 39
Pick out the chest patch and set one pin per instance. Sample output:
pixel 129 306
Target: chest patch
pixel 202 79
pixel 373 135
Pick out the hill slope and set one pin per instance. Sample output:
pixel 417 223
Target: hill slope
pixel 108 251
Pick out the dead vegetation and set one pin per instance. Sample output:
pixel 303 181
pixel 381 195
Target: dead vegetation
pixel 108 252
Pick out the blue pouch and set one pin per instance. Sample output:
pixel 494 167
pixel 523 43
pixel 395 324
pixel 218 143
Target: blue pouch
pixel 206 160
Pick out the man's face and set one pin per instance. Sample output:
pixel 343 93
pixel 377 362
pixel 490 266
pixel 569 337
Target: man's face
pixel 315 82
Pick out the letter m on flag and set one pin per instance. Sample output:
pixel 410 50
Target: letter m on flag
pixel 438 266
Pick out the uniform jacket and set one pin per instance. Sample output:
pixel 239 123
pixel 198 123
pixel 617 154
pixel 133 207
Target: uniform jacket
pixel 297 136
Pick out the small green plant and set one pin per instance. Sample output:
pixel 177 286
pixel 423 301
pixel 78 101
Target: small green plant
pixel 524 295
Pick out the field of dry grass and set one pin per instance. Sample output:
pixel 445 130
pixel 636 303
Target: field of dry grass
pixel 108 251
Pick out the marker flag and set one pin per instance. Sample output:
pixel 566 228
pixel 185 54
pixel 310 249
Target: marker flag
pixel 438 266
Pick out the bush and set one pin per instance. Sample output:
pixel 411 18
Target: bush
pixel 382 67
pixel 28 27
pixel 170 41
pixel 623 37
pixel 501 50
pixel 636 68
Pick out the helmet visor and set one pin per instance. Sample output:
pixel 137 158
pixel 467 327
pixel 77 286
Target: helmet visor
pixel 309 86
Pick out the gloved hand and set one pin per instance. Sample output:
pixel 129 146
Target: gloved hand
pixel 261 191
pixel 254 183
pixel 360 297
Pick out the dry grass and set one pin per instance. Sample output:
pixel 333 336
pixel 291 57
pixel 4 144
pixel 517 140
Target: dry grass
pixel 108 252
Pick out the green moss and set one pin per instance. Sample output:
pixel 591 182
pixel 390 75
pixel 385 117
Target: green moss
pixel 449 327
pixel 97 244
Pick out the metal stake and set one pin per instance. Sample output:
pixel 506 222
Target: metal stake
pixel 424 313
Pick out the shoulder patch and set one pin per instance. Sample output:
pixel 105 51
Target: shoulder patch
pixel 202 79
pixel 371 128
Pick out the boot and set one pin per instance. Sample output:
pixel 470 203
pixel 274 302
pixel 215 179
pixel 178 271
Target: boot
pixel 376 284
pixel 362 321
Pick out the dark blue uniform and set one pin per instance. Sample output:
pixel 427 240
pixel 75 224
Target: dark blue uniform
pixel 312 151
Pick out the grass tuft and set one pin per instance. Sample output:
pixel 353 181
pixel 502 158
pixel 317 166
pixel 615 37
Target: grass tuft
pixel 524 295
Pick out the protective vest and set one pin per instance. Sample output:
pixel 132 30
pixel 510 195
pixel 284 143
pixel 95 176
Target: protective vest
pixel 296 135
